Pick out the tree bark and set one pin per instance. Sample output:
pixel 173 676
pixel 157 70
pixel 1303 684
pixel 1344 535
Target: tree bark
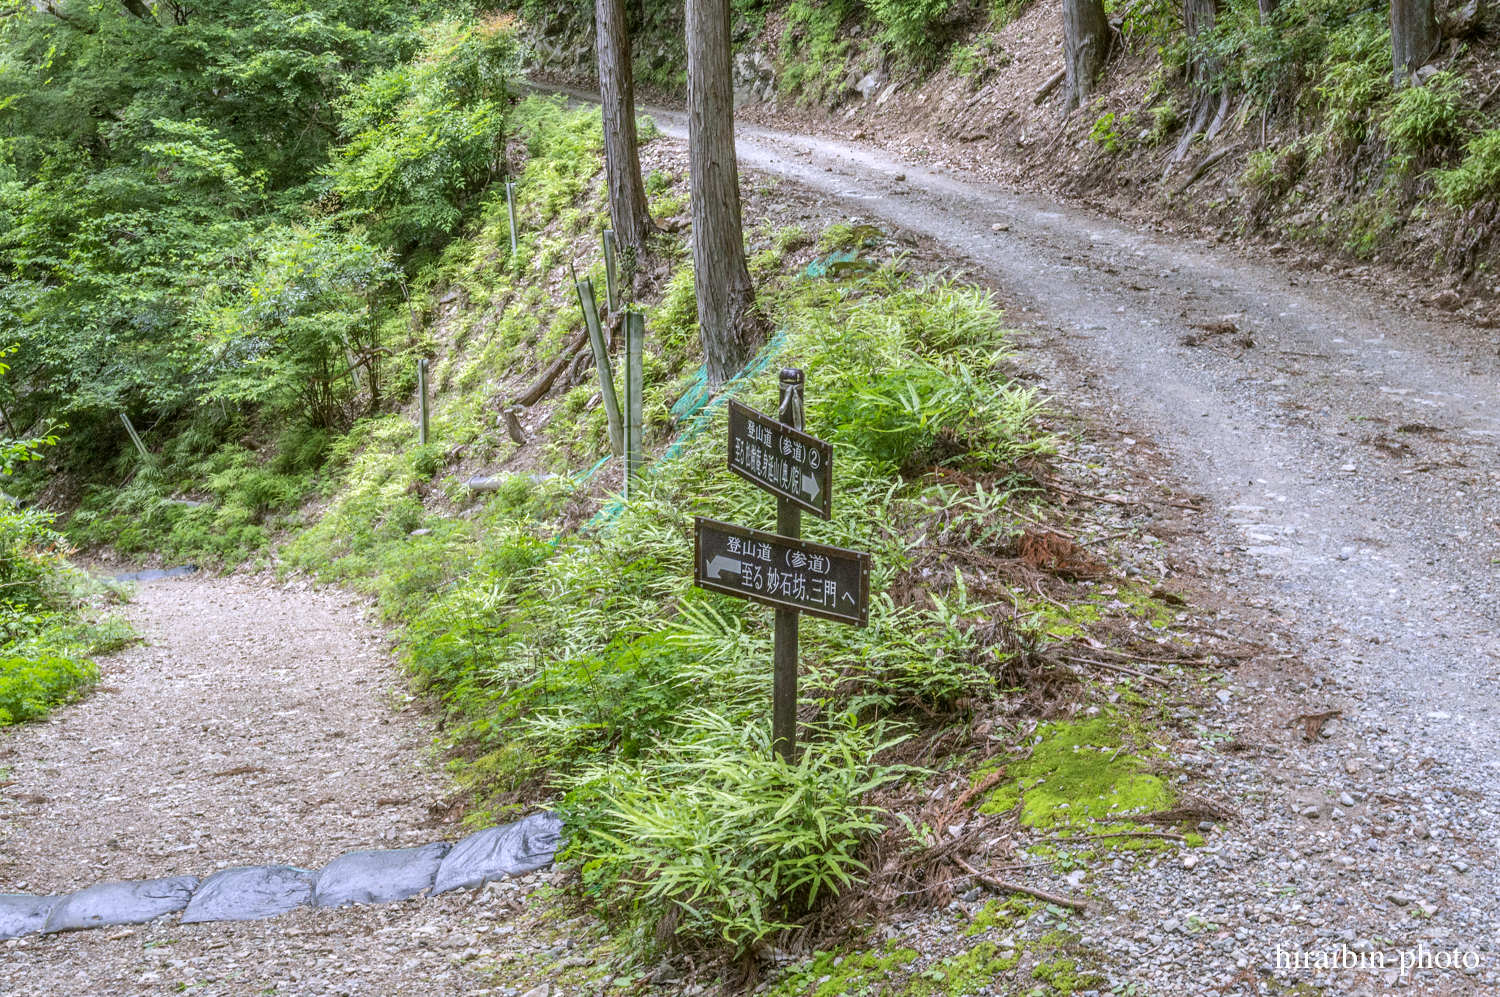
pixel 1198 16
pixel 1267 8
pixel 628 211
pixel 727 320
pixel 1085 45
pixel 1414 36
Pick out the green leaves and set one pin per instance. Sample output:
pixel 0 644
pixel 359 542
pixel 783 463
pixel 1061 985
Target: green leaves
pixel 740 841
pixel 425 138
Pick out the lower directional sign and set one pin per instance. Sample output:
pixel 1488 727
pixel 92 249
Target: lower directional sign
pixel 794 574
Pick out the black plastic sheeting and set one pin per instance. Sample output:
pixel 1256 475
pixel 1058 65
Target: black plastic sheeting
pixel 250 893
pixel 379 877
pixel 120 903
pixel 21 914
pixel 511 849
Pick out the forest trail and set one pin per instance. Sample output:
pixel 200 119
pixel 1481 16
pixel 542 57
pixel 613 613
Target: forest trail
pixel 1349 452
pixel 256 723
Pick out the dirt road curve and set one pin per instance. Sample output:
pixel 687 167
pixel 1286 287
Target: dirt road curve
pixel 1348 447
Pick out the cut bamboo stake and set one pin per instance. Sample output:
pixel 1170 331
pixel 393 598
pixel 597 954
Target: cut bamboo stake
pixel 422 402
pixel 635 346
pixel 134 436
pixel 510 206
pixel 611 275
pixel 601 361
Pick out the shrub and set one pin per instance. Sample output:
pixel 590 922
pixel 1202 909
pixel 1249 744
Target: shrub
pixel 725 835
pixel 1477 176
pixel 30 686
pixel 1422 121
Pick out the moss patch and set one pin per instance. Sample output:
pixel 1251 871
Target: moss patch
pixel 1080 772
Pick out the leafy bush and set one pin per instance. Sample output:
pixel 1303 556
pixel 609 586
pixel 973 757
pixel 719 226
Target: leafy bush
pixel 424 139
pixel 1477 176
pixel 910 25
pixel 1421 121
pixel 725 835
pixel 30 686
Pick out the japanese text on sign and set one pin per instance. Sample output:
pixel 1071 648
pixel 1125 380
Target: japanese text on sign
pixel 823 581
pixel 782 460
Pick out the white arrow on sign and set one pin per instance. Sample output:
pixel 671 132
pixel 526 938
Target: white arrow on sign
pixel 811 486
pixel 718 564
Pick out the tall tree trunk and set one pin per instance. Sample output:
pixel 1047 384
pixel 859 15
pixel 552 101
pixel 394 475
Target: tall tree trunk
pixel 726 298
pixel 1414 36
pixel 1267 8
pixel 628 212
pixel 1085 45
pixel 1198 17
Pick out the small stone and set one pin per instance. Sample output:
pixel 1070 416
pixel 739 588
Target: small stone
pixel 1346 799
pixel 1337 813
pixel 1205 825
pixel 1420 831
pixel 999 227
pixel 1399 899
pixel 1348 469
pixel 1191 862
pixel 419 533
pixel 1461 866
pixel 1222 695
pixel 859 133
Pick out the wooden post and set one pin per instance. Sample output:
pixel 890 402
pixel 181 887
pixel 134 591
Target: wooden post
pixel 601 363
pixel 422 402
pixel 784 661
pixel 510 206
pixel 611 275
pixel 134 436
pixel 635 382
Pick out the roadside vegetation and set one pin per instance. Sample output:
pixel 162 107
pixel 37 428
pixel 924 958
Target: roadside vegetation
pixel 248 265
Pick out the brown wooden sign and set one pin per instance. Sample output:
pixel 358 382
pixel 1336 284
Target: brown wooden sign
pixel 812 578
pixel 784 461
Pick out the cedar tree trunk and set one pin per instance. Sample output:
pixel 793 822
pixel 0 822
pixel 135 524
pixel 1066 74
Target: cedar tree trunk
pixel 1414 36
pixel 1085 45
pixel 726 298
pixel 1267 8
pixel 628 213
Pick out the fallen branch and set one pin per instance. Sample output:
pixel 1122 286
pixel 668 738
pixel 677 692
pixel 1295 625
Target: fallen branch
pixel 1004 887
pixel 1049 86
pixel 1115 668
pixel 539 388
pixel 1123 501
pixel 1213 160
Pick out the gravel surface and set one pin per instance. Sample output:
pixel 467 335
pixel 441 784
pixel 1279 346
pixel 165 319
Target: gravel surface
pixel 257 724
pixel 1343 440
pixel 1344 437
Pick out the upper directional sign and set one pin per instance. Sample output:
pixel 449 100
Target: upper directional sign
pixel 794 574
pixel 782 460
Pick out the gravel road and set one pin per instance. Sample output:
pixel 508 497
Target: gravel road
pixel 1345 438
pixel 256 724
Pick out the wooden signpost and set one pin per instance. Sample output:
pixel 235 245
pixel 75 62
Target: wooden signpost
pixel 780 569
pixel 422 402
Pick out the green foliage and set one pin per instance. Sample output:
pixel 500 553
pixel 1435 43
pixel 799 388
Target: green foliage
pixel 1419 121
pixel 977 62
pixel 815 50
pixel 31 686
pixel 911 26
pixel 1477 176
pixel 1104 134
pixel 425 138
pixel 737 840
